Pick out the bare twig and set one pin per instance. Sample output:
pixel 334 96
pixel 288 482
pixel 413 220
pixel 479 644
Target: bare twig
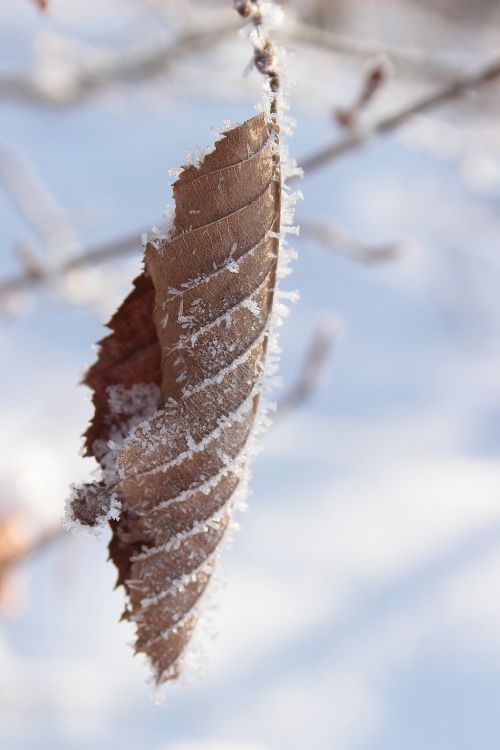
pixel 323 340
pixel 457 88
pixel 344 244
pixel 375 77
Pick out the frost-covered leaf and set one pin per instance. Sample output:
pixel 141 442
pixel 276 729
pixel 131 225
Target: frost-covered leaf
pixel 177 386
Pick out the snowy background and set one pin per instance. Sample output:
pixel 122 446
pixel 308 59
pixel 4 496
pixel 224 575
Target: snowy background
pixel 359 606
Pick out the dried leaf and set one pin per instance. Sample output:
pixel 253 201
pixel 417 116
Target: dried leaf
pixel 177 386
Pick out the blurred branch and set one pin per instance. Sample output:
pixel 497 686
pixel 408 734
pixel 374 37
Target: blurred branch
pixel 448 93
pixel 39 544
pixel 324 338
pixel 320 159
pixel 94 256
pixel 30 262
pixel 91 72
pixel 404 58
pixel 18 545
pixel 329 236
pixel 344 244
pixel 32 198
pixel 374 79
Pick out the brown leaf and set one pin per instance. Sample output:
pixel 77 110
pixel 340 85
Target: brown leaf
pixel 177 386
pixel 128 356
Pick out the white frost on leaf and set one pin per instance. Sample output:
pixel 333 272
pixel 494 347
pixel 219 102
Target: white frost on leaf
pixel 91 505
pixel 89 508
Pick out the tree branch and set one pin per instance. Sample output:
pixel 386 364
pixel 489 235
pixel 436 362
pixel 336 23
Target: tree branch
pixel 457 88
pixel 350 247
pixel 98 254
pixel 317 160
pixel 17 546
pixel 323 340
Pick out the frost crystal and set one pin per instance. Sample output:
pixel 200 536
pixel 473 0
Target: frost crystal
pixel 89 508
pixel 91 505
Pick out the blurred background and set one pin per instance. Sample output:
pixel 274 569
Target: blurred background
pixel 359 606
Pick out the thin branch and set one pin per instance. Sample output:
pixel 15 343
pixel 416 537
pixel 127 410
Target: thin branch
pixel 17 553
pixel 98 254
pixel 129 243
pixel 33 267
pixel 40 544
pixel 375 78
pixel 342 243
pixel 388 123
pixel 324 338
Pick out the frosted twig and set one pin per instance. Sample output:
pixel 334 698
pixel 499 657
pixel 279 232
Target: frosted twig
pixel 342 243
pixel 265 58
pixel 447 93
pixel 323 340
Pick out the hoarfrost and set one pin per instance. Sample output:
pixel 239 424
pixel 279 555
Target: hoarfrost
pixel 91 505
pixel 251 304
pixel 89 508
pixel 195 158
